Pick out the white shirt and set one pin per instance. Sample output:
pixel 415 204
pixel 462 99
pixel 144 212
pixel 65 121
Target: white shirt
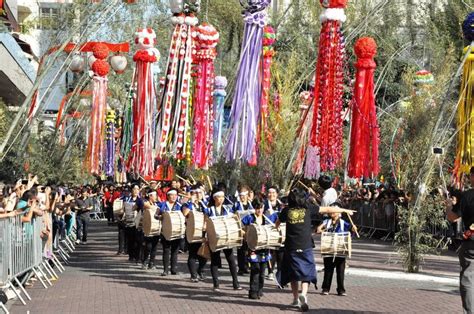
pixel 329 197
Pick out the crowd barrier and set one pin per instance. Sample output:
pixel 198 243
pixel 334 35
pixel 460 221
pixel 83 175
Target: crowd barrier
pixel 27 250
pixel 379 218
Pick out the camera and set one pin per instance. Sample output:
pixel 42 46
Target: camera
pixel 438 151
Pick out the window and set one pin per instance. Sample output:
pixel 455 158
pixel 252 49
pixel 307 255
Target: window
pixel 48 18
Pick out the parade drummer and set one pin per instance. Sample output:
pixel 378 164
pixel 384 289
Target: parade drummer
pixel 335 224
pixel 151 242
pixel 133 205
pixel 217 208
pixel 170 248
pixel 258 259
pixel 271 209
pixel 298 260
pixel 243 204
pixel 195 204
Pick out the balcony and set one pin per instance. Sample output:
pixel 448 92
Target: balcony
pixel 17 75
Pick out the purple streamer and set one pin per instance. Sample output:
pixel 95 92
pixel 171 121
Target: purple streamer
pixel 219 97
pixel 246 102
pixel 110 150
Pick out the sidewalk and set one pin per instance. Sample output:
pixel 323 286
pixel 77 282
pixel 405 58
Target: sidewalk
pixel 98 281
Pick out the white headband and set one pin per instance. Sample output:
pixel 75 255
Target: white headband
pixel 220 193
pixel 272 190
pixel 172 192
pixel 151 193
pixel 244 193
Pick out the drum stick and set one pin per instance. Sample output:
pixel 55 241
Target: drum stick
pixel 304 185
pixel 181 178
pixel 352 223
pixel 194 180
pixel 210 183
pixel 148 183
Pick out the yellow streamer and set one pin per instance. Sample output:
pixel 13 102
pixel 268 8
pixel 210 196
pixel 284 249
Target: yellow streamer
pixel 465 117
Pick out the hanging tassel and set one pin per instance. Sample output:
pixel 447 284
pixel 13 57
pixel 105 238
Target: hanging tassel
pixel 364 145
pixel 245 110
pixel 327 128
pixel 95 148
pixel 172 127
pixel 268 53
pixel 219 97
pixel 465 115
pixel 140 160
pixel 206 42
pixel 109 162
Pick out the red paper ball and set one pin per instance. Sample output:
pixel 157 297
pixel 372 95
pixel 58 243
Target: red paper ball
pixel 100 51
pixel 365 47
pixel 100 67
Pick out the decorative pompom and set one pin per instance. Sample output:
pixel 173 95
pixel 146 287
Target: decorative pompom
pixel 100 51
pixel 220 82
pixel 305 98
pixel 144 56
pixel 468 27
pixel 365 47
pixel 269 37
pixel 100 67
pixel 339 4
pixel 145 38
pixel 424 77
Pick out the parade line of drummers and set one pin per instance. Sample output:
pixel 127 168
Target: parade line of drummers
pixel 268 233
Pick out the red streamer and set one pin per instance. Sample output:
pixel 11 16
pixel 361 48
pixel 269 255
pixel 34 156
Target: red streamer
pixel 207 39
pixel 364 146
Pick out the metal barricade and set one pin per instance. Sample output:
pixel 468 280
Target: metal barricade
pixel 22 254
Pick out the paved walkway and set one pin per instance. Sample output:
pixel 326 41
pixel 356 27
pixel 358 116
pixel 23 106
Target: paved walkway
pixel 98 281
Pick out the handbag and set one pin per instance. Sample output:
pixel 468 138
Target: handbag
pixel 204 251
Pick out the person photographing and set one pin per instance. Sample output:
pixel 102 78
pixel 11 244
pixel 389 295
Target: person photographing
pixel 465 209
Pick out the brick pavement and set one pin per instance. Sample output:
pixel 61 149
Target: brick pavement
pixel 98 281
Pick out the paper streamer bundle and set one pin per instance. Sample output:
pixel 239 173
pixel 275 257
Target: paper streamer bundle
pixel 127 127
pixel 327 128
pixel 465 115
pixel 109 161
pixel 172 127
pixel 219 98
pixel 364 144
pixel 269 39
pixel 302 137
pixel 245 110
pixel 140 159
pixel 95 147
pixel 207 38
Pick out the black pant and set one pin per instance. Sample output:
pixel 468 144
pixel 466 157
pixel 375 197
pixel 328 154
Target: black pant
pixel 110 213
pixel 151 244
pixel 257 277
pixel 277 257
pixel 242 258
pixel 82 225
pixel 139 245
pixel 170 254
pixel 329 264
pixel 130 235
pixel 122 239
pixel 215 262
pixel 193 257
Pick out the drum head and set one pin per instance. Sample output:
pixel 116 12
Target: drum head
pixel 252 236
pixel 147 217
pixel 190 227
pixel 211 234
pixel 167 226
